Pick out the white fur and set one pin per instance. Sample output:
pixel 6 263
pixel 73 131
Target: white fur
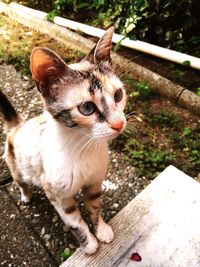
pixel 67 159
pixel 74 163
pixel 104 232
pixel 60 156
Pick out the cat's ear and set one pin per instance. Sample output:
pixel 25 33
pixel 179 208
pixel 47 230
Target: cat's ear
pixel 101 52
pixel 47 69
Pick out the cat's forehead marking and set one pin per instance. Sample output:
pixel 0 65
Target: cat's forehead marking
pixel 95 85
pixel 105 108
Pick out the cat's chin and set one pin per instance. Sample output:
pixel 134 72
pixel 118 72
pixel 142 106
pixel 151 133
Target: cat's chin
pixel 108 137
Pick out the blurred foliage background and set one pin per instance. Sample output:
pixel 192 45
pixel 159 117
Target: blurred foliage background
pixel 169 23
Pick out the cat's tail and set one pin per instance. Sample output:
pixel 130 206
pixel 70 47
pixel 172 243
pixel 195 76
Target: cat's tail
pixel 9 114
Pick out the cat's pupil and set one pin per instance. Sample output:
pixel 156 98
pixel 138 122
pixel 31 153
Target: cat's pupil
pixel 87 108
pixel 118 95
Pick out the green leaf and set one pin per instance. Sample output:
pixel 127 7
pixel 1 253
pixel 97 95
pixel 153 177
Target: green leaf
pixel 81 5
pixel 66 254
pixel 118 44
pixel 198 91
pixel 186 131
pixel 100 2
pixel 186 63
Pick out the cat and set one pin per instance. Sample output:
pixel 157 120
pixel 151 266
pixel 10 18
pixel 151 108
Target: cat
pixel 65 149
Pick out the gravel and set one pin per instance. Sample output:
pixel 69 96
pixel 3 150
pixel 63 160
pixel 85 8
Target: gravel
pixel 120 186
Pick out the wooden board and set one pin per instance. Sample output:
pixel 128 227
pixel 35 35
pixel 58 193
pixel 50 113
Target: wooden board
pixel 162 224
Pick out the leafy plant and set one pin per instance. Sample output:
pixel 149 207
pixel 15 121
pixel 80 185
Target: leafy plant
pixel 198 91
pixel 162 118
pixel 163 22
pixel 186 131
pixel 143 89
pixel 189 143
pixel 148 160
pixel 66 254
pixel 136 91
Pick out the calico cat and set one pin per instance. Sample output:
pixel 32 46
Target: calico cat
pixel 65 149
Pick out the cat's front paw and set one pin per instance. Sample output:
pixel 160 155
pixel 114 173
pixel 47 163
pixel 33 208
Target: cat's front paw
pixel 26 198
pixel 91 245
pixel 104 233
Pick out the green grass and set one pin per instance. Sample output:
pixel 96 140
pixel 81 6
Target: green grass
pixel 17 42
pixel 163 137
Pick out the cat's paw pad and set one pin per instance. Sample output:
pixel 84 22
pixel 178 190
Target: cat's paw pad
pixel 104 233
pixel 91 245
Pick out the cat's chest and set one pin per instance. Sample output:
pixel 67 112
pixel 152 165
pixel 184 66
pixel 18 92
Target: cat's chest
pixel 71 167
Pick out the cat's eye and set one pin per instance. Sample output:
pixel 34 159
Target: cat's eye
pixel 118 95
pixel 87 108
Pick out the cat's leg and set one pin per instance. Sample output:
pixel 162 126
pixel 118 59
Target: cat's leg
pixel 17 176
pixel 23 186
pixel 71 216
pixel 92 197
pixel 25 191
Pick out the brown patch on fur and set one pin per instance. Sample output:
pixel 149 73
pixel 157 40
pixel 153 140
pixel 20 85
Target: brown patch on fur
pixel 44 64
pixel 49 191
pixel 93 202
pixel 70 209
pixel 11 150
pixel 11 161
pixel 51 74
pixel 80 235
pixel 95 207
pixel 94 196
pixel 86 121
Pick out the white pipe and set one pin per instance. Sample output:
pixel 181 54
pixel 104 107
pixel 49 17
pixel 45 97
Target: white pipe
pixel 138 45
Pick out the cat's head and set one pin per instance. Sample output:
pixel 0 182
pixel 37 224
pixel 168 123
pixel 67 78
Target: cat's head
pixel 87 94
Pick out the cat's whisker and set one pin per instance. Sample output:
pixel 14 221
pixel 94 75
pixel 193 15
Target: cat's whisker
pixel 92 140
pixel 124 76
pixel 80 141
pixel 82 148
pixel 130 114
pixel 87 147
pixel 76 150
pixel 130 129
pixel 130 126
pixel 117 70
pixel 99 144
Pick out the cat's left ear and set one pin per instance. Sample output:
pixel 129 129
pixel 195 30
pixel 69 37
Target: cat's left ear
pixel 48 69
pixel 101 52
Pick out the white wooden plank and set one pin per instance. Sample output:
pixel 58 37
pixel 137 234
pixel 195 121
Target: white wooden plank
pixel 162 224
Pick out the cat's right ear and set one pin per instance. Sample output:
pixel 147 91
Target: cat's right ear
pixel 47 69
pixel 101 52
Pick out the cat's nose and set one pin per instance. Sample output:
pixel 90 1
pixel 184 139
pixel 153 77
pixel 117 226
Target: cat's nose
pixel 117 126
